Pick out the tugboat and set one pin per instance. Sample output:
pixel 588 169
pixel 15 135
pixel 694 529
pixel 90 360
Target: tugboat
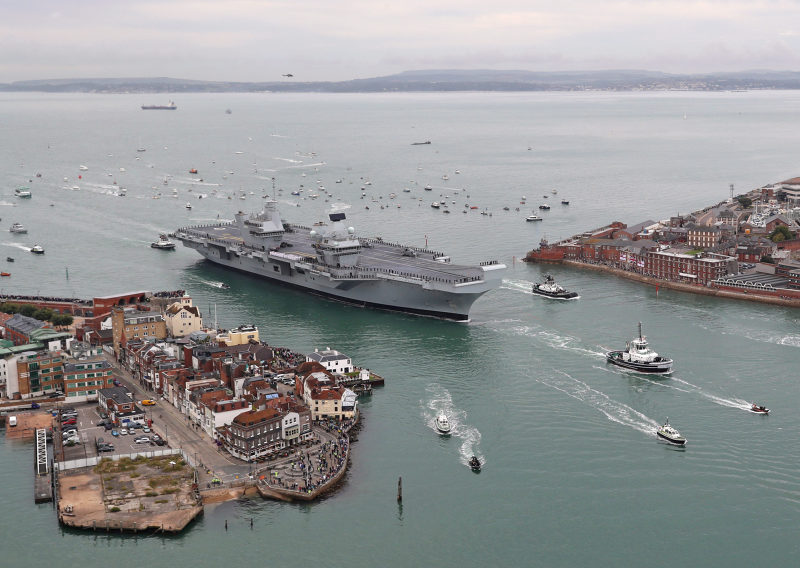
pixel 551 289
pixel 163 243
pixel 475 464
pixel 759 409
pixel 443 424
pixel 670 434
pixel 639 357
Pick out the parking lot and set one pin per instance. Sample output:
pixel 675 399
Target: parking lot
pixel 89 433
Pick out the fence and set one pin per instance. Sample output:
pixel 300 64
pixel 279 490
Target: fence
pixel 90 462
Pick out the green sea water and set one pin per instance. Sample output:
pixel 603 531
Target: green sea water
pixel 573 474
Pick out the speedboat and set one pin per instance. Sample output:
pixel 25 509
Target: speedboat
pixel 37 249
pixel 188 205
pixel 18 228
pixel 670 434
pixel 533 218
pixel 435 205
pixel 9 259
pixel 443 424
pixel 23 192
pixel 759 409
pixel 163 243
pixel 565 202
pixel 544 207
pixel 475 464
pixel 637 356
pixel 551 289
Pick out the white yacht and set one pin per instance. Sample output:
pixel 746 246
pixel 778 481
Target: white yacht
pixel 638 356
pixel 670 434
pixel 443 424
pixel 188 205
pixel 533 217
pixel 23 192
pixel 18 228
pixel 436 205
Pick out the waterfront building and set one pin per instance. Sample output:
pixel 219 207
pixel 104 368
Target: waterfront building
pixel 682 267
pixel 219 411
pixel 238 336
pixel 643 230
pixel 182 318
pixel 254 434
pixel 325 399
pixel 791 189
pixel 332 360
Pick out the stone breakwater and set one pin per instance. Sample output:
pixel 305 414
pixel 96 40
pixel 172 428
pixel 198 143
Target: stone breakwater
pixel 690 288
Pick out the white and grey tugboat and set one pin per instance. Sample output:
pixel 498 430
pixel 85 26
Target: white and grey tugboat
pixel 670 434
pixel 163 243
pixel 330 260
pixel 638 356
pixel 551 289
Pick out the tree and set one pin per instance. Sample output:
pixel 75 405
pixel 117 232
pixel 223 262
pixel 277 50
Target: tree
pixel 781 233
pixel 744 201
pixel 767 259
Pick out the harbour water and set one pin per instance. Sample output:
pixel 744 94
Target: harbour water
pixel 573 472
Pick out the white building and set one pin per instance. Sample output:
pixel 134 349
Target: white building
pixel 332 360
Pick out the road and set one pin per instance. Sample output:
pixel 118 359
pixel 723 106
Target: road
pixel 176 429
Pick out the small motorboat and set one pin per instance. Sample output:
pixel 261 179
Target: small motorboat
pixel 163 243
pixel 759 409
pixel 5 274
pixel 37 249
pixel 670 434
pixel 475 464
pixel 443 424
pixel 188 205
pixel 565 202
pixel 23 192
pixel 9 259
pixel 637 356
pixel 18 228
pixel 552 289
pixel 532 217
pixel 544 207
pixel 193 171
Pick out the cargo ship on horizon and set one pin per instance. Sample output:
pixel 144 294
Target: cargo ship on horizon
pixel 330 260
pixel 170 106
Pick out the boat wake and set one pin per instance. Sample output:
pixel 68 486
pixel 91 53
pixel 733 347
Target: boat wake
pixel 556 341
pixel 612 409
pixel 728 402
pixel 517 285
pixel 441 401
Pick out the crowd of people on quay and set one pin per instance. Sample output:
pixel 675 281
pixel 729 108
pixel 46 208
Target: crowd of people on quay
pixel 21 297
pixel 312 469
pixel 170 294
pixel 284 358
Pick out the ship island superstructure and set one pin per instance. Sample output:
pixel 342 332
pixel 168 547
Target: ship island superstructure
pixel 331 260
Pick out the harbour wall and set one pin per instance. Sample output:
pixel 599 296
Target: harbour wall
pixel 690 288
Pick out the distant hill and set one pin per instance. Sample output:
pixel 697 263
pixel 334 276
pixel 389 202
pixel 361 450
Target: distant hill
pixel 438 80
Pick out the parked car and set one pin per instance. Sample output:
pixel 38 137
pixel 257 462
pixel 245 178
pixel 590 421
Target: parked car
pixel 123 432
pixel 135 426
pixel 108 426
pixel 105 448
pixel 69 432
pixel 72 440
pixel 146 430
pixel 114 433
pixel 35 405
pixel 159 442
pixel 142 440
pixel 148 402
pixel 69 422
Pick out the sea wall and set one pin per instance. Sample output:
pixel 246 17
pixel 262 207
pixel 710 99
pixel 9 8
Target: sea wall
pixel 750 296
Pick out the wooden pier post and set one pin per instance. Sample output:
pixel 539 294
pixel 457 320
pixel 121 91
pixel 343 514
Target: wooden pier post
pixel 399 489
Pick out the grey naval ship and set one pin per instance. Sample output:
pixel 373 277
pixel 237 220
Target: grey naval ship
pixel 330 260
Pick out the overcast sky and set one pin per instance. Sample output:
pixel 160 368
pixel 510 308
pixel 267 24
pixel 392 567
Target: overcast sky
pixel 331 40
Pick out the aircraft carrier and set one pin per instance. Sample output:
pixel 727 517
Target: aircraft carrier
pixel 328 259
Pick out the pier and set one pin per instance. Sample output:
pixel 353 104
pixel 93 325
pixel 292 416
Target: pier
pixel 42 482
